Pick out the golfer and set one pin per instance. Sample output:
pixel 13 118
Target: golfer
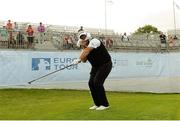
pixel 95 52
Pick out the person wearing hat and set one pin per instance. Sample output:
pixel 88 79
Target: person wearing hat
pixel 95 52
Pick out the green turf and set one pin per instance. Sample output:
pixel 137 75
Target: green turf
pixel 30 104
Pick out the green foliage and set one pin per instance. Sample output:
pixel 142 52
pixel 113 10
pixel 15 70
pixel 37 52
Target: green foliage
pixel 39 104
pixel 147 29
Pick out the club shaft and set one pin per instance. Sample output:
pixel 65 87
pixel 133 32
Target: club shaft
pixel 50 73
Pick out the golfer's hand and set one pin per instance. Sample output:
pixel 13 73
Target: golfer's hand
pixel 76 61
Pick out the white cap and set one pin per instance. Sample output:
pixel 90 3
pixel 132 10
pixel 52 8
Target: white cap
pixel 81 33
pixel 88 37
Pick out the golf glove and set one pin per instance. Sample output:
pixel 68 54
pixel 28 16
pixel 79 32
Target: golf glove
pixel 76 61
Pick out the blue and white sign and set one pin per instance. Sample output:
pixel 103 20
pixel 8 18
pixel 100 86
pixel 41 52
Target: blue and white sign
pixel 19 67
pixel 41 64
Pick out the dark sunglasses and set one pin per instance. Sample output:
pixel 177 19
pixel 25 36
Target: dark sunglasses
pixel 83 37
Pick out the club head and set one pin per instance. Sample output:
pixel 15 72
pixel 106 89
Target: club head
pixel 29 82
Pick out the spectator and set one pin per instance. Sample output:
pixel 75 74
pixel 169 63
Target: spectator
pixel 9 25
pixel 103 40
pixel 175 37
pixel 16 28
pixel 70 42
pixel 163 41
pixel 30 36
pixel 9 29
pixel 170 41
pixel 20 38
pixel 125 37
pixel 81 29
pixel 162 38
pixel 4 34
pixel 65 42
pixel 41 32
pixel 109 43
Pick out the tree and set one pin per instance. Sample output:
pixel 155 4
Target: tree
pixel 147 29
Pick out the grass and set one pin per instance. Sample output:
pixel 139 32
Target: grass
pixel 37 104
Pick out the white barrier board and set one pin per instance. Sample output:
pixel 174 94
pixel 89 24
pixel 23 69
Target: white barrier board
pixel 154 72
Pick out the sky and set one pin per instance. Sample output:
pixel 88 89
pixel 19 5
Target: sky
pixel 122 15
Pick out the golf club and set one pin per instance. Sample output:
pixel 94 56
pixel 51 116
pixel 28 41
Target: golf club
pixel 50 73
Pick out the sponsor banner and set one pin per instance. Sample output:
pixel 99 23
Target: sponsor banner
pixel 20 67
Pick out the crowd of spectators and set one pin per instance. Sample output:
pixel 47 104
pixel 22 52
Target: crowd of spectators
pixel 12 34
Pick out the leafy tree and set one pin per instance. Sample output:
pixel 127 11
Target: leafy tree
pixel 147 29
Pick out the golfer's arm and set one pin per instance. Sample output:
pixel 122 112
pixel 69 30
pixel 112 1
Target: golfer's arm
pixel 85 53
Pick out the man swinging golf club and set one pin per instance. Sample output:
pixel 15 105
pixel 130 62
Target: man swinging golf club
pixel 95 52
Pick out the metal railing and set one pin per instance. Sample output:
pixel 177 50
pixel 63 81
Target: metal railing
pixel 58 40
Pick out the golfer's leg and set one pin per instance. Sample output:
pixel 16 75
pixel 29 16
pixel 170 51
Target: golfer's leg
pixel 100 77
pixel 92 87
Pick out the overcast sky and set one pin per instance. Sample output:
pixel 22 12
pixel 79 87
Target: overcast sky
pixel 122 15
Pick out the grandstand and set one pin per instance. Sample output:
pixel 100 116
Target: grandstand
pixel 55 39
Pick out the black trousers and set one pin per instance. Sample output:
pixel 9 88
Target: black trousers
pixel 96 81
